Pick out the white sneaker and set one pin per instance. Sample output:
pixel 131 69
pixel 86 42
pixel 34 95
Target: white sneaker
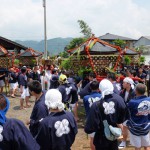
pixel 122 145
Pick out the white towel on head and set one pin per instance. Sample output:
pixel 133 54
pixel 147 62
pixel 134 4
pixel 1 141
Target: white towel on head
pixel 106 87
pixel 130 81
pixel 53 99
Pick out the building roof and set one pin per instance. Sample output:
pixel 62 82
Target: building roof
pixel 128 51
pixel 147 37
pixel 3 51
pixel 96 46
pixel 30 53
pixel 11 45
pixel 109 36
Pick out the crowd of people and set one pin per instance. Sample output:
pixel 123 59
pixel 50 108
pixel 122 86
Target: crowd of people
pixel 114 107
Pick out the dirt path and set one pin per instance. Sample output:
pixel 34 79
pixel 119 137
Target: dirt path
pixel 81 142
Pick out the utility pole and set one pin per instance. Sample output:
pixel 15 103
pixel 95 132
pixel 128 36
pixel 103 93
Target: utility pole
pixel 45 31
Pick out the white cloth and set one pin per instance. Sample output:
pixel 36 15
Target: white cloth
pixel 25 93
pixel 43 79
pixel 106 87
pixel 92 135
pixel 13 85
pixel 53 99
pixel 140 141
pixel 126 95
pixel 48 77
pixel 2 83
pixel 130 81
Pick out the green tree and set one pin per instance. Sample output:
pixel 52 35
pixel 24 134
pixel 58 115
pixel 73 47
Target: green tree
pixel 75 43
pixel 120 43
pixel 85 29
pixel 64 54
pixel 127 60
pixel 16 61
pixel 142 49
pixel 142 59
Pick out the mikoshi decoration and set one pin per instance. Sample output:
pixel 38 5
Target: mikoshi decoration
pixel 100 48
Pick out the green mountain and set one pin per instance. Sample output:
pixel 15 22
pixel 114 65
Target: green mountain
pixel 54 46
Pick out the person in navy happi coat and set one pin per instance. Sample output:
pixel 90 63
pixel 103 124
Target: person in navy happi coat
pixel 40 110
pixel 13 133
pixel 58 130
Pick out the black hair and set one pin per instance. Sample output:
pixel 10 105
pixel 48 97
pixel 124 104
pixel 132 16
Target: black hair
pixel 111 75
pixel 133 72
pixel 35 86
pixel 54 71
pixel 3 102
pixel 94 85
pixel 92 74
pixel 23 69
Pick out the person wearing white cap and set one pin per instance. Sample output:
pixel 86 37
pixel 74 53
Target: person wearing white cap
pixel 59 127
pixel 110 108
pixel 127 94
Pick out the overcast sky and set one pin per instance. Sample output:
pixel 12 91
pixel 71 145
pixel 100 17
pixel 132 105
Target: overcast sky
pixel 24 19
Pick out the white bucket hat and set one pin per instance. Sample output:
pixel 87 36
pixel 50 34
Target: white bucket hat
pixel 106 87
pixel 53 99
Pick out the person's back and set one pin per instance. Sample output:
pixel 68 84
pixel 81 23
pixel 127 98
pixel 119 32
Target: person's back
pixel 68 91
pixel 13 133
pixel 94 96
pixel 39 110
pixel 59 127
pixel 111 108
pixel 86 90
pixel 17 137
pixel 139 120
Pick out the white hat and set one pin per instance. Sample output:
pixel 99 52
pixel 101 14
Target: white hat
pixel 53 99
pixel 130 81
pixel 106 87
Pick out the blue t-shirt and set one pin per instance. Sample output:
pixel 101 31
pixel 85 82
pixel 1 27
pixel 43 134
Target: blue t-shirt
pixel 139 121
pixel 89 100
pixel 17 137
pixel 57 131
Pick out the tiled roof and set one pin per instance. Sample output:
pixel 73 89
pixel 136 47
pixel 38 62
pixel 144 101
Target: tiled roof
pixel 3 51
pixel 109 36
pixel 10 45
pixel 128 51
pixel 96 46
pixel 30 53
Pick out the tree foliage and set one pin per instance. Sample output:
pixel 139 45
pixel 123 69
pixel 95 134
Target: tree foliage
pixel 85 29
pixel 64 54
pixel 16 61
pixel 75 43
pixel 120 43
pixel 142 59
pixel 127 60
pixel 66 64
